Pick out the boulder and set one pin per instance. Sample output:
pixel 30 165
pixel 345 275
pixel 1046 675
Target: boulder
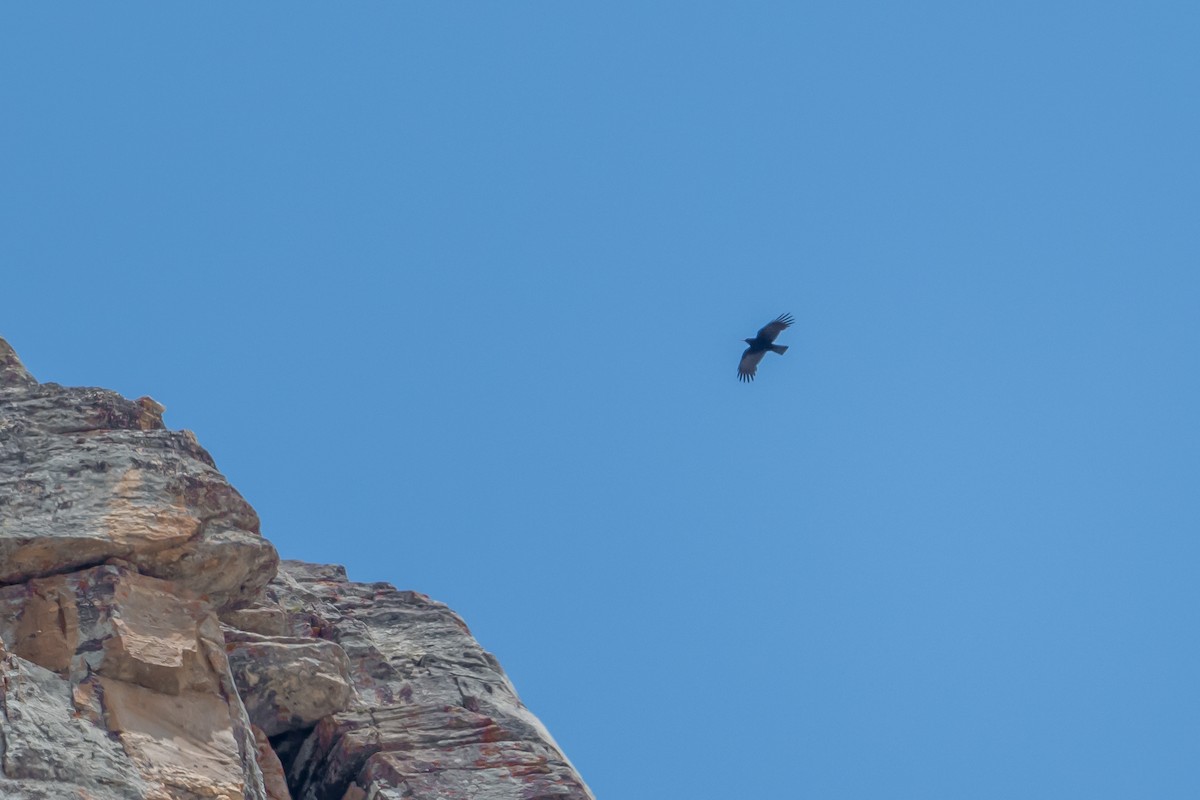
pixel 288 683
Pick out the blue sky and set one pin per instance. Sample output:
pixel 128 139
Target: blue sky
pixel 455 295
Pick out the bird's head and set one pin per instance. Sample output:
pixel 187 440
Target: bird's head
pixel 748 341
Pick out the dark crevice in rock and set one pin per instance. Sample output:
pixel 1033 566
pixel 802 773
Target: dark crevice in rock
pixel 64 569
pixel 287 747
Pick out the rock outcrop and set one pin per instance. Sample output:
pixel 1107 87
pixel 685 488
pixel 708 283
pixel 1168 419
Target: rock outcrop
pixel 87 476
pixel 153 646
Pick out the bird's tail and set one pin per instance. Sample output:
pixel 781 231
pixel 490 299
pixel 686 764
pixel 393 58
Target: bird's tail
pixel 779 348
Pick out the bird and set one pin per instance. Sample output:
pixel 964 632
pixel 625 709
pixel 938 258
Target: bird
pixel 760 344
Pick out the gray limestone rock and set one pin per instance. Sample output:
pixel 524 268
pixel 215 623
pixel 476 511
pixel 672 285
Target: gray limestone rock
pixel 87 475
pixel 434 715
pixel 51 751
pixel 288 683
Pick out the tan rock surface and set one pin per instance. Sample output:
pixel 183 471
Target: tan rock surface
pixel 87 475
pixel 139 662
pixel 266 619
pixel 115 623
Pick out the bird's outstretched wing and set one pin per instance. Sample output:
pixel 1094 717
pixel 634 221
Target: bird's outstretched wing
pixel 775 327
pixel 749 363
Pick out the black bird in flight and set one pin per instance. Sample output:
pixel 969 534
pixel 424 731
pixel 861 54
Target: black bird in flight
pixel 760 344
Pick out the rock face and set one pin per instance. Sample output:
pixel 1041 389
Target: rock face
pixel 433 714
pixel 152 646
pixel 86 475
pixel 124 665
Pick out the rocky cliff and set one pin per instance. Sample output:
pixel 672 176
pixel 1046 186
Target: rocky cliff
pixel 153 645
